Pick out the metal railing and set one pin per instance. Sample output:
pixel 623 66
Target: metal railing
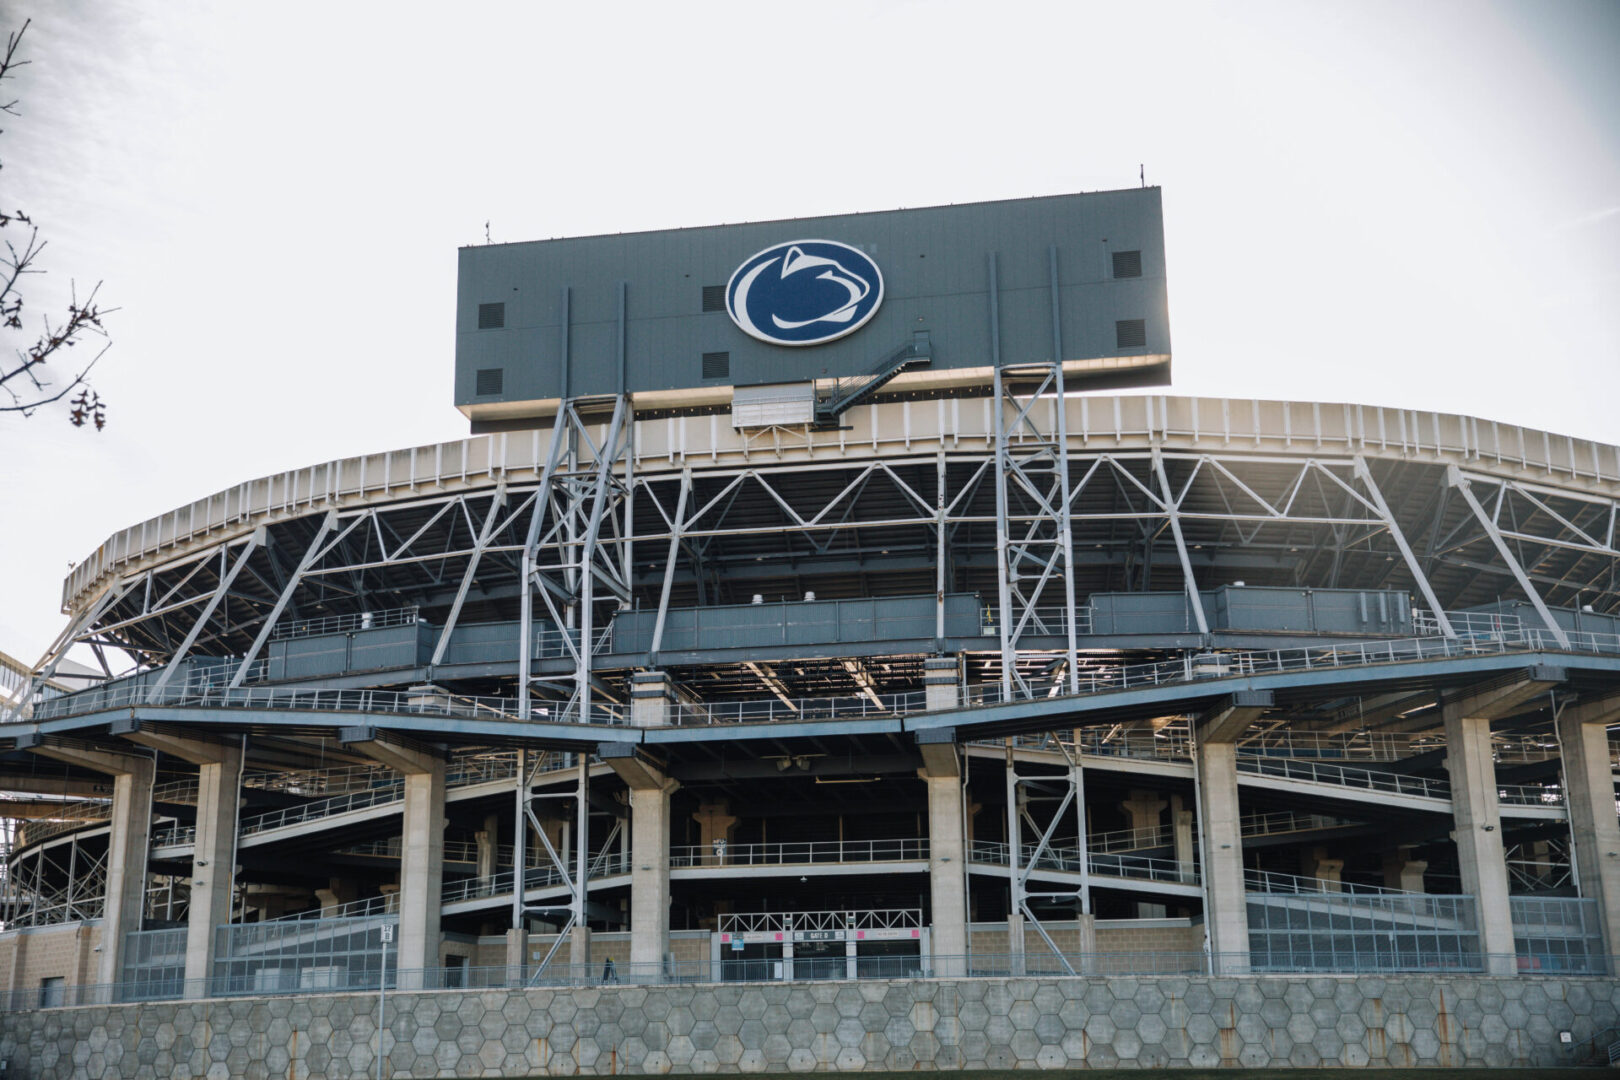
pixel 1287 821
pixel 1466 623
pixel 75 815
pixel 1048 619
pixel 1266 881
pixel 340 624
pixel 777 710
pixel 1529 795
pixel 807 852
pixel 1349 776
pixel 313 699
pixel 1189 668
pixel 1100 864
pixel 1035 962
pixel 551 642
pixel 757 922
pixel 603 864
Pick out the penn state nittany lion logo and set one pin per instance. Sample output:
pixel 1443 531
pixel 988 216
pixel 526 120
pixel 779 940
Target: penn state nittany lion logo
pixel 804 292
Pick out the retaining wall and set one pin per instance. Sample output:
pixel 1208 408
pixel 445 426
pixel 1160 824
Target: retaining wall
pixel 850 1026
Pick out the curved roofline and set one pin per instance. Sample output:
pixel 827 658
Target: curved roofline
pixel 905 428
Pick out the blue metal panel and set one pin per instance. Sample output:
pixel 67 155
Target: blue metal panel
pixel 814 622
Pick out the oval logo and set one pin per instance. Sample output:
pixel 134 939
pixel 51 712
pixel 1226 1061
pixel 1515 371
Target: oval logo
pixel 804 292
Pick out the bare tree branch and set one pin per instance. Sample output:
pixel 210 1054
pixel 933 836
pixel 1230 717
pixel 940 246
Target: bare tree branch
pixel 27 381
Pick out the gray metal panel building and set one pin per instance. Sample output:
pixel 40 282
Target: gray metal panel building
pixel 587 315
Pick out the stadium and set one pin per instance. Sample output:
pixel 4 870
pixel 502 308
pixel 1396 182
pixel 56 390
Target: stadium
pixel 803 665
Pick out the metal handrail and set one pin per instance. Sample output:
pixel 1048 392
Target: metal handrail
pixel 1186 669
pixel 1101 864
pixel 339 624
pixel 1346 776
pixel 791 853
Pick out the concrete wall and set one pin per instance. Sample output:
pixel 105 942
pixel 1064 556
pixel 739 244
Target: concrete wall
pixel 1252 1021
pixel 65 951
pixel 1150 935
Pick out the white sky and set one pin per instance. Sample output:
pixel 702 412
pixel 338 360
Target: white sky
pixel 1390 203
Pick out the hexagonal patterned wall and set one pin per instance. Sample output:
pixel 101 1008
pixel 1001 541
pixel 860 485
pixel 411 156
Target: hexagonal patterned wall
pixel 972 1024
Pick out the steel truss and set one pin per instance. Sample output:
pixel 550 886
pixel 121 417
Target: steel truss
pixel 56 883
pixel 527 826
pixel 1034 514
pixel 1023 794
pixel 579 537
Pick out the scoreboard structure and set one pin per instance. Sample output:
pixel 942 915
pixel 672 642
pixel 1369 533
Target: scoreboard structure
pixel 816 315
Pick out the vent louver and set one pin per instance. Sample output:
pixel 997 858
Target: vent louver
pixel 491 316
pixel 1127 264
pixel 490 381
pixel 717 365
pixel 714 298
pixel 1130 333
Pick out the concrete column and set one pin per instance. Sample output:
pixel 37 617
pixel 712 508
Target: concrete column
pixel 579 947
pixel 715 822
pixel 1403 872
pixel 649 877
pixel 1181 819
pixel 488 840
pixel 650 699
pixel 337 893
pixel 127 841
pixel 1318 865
pixel 421 873
pixel 1226 915
pixel 517 954
pixel 650 789
pixel 126 865
pixel 947 875
pixel 941 683
pixel 1477 829
pixel 218 792
pixel 1142 810
pixel 1589 794
pixel 1015 943
pixel 941 774
pixel 421 864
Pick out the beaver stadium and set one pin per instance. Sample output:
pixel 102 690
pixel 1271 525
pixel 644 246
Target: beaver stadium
pixel 805 664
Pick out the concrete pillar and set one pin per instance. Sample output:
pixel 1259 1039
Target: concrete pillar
pixel 1318 865
pixel 715 822
pixel 1015 943
pixel 579 947
pixel 126 865
pixel 1181 823
pixel 651 699
pixel 650 789
pixel 941 680
pixel 517 954
pixel 421 864
pixel 947 875
pixel 1142 810
pixel 127 841
pixel 1226 912
pixel 649 877
pixel 337 893
pixel 1403 872
pixel 219 782
pixel 1589 794
pixel 421 873
pixel 488 839
pixel 1477 829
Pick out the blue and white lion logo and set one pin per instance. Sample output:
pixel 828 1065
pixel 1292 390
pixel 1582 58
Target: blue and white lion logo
pixel 804 292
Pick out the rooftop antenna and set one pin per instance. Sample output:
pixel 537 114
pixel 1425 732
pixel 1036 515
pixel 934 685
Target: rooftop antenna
pixel 1141 174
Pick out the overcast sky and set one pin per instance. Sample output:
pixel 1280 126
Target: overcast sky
pixel 1407 204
